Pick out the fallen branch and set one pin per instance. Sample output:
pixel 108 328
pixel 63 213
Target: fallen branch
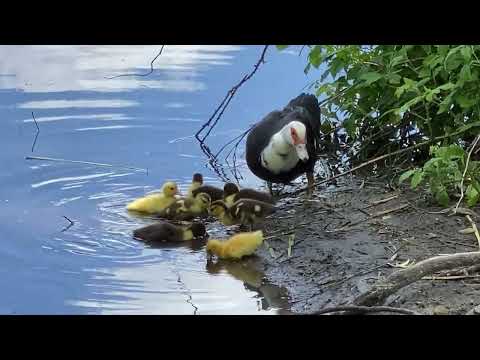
pixel 453 277
pixel 366 309
pixel 146 74
pixel 396 281
pixel 382 201
pixel 83 162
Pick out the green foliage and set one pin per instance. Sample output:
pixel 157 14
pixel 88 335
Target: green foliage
pixel 393 96
pixel 434 88
pixel 443 174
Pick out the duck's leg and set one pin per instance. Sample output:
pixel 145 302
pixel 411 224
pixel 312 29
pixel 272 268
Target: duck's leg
pixel 270 188
pixel 310 184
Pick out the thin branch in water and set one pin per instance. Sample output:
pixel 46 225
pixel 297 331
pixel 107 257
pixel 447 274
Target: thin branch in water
pixel 230 94
pixel 38 131
pixel 69 225
pixel 84 162
pixel 217 114
pixel 146 74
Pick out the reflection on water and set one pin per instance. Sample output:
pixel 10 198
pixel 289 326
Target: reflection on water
pixel 95 266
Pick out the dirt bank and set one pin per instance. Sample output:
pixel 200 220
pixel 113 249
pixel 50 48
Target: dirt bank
pixel 346 235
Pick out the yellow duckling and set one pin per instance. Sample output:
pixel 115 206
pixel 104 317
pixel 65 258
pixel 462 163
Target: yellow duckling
pixel 238 246
pixel 197 181
pixel 232 194
pixel 220 210
pixel 188 208
pixel 156 203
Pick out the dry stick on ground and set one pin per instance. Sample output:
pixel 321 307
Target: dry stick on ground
pixel 380 213
pixel 84 162
pixel 38 132
pixel 474 226
pixel 366 309
pixel 372 161
pixel 396 281
pixel 465 171
pixel 146 74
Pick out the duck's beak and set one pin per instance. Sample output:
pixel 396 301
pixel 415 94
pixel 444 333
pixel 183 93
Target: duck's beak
pixel 302 152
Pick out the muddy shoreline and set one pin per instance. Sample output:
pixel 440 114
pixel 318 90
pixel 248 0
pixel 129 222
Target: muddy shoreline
pixel 340 250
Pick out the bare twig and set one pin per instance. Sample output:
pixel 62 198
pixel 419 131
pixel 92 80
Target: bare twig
pixel 475 229
pixel 465 172
pixel 83 162
pixel 38 132
pixel 224 104
pixel 378 202
pixel 399 279
pixel 146 74
pixel 210 124
pixel 366 309
pixel 69 225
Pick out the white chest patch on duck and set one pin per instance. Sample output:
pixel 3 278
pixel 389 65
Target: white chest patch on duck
pixel 279 162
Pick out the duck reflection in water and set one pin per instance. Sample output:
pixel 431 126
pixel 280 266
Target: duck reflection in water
pixel 247 271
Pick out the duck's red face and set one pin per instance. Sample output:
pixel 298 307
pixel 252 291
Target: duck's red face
pixel 300 144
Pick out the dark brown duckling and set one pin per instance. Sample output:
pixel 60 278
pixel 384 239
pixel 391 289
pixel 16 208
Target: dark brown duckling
pixel 232 194
pixel 250 211
pixel 197 181
pixel 163 231
pixel 214 192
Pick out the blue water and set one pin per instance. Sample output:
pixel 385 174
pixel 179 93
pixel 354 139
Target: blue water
pixel 95 267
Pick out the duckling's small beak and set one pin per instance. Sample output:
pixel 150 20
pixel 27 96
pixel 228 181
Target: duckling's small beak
pixel 302 153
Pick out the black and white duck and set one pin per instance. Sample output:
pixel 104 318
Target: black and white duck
pixel 284 144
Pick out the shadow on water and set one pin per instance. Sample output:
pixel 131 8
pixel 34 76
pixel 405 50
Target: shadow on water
pixel 95 266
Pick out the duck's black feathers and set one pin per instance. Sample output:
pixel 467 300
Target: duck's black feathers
pixel 304 108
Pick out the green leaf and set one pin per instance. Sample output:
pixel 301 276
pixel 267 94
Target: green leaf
pixel 315 56
pixel 447 86
pixel 466 52
pixel 406 175
pixel 465 73
pixel 394 78
pixel 336 65
pixel 281 47
pixel 464 101
pixel 442 197
pixel 472 195
pixel 350 127
pixel 371 77
pixel 416 179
